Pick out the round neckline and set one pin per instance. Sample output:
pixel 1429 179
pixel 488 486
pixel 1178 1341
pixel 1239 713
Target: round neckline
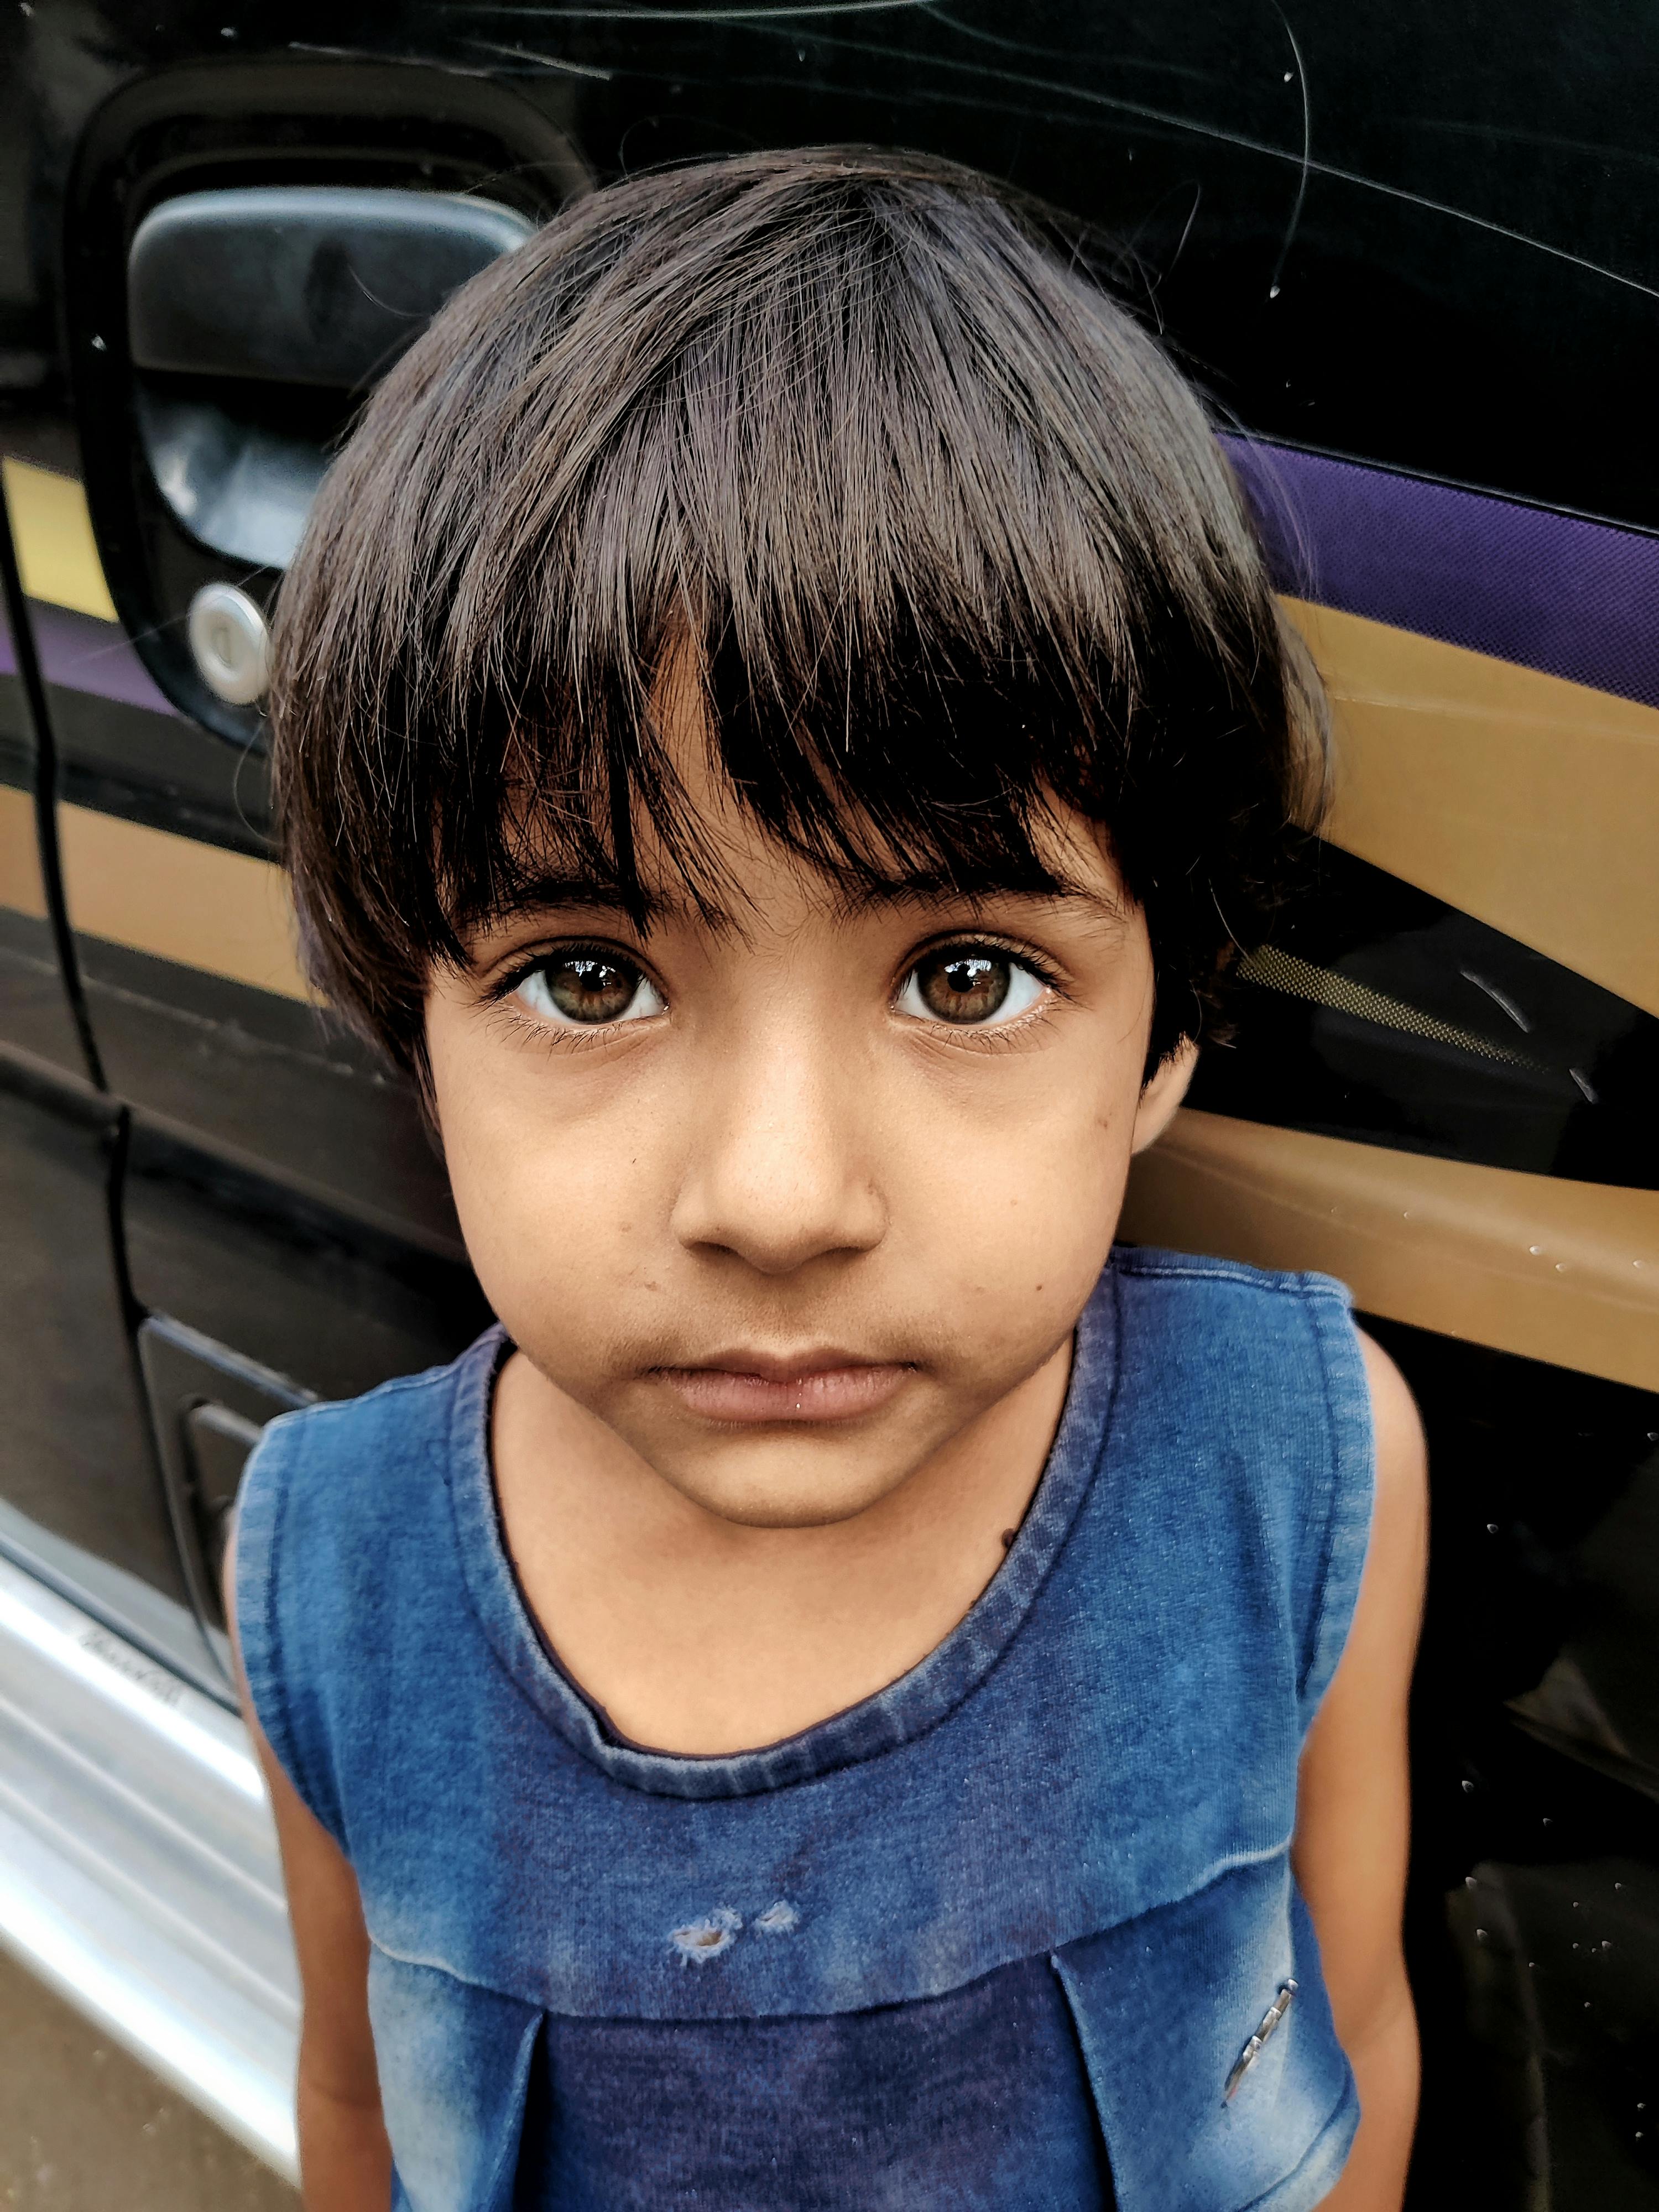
pixel 890 1717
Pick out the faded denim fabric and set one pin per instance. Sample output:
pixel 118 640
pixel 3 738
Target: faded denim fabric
pixel 1030 1902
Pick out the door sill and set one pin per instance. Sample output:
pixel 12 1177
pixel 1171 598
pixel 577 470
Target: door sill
pixel 138 1867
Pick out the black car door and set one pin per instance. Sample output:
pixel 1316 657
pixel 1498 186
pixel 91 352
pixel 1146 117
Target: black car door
pixel 81 1502
pixel 284 1226
pixel 1410 252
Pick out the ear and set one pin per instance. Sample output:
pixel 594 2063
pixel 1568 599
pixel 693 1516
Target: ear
pixel 1164 1089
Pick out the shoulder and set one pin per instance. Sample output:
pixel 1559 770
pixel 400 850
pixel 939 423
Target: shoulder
pixel 333 1488
pixel 1396 1556
pixel 336 1428
pixel 341 1524
pixel 1279 1300
pixel 355 1455
pixel 1354 1788
pixel 1374 1601
pixel 1264 1347
pixel 1313 1422
pixel 1401 1450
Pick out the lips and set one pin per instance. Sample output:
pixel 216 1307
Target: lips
pixel 755 1387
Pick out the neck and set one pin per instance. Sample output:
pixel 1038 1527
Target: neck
pixel 699 1634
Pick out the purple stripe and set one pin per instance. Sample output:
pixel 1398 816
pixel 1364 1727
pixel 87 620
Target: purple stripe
pixel 1547 591
pixel 84 654
pixel 1551 592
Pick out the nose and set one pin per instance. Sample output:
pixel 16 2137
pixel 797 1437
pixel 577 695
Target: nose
pixel 780 1171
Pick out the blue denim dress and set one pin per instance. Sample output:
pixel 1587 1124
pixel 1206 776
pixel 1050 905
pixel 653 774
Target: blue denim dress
pixel 1020 1932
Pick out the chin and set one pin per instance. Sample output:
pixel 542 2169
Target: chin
pixel 783 1498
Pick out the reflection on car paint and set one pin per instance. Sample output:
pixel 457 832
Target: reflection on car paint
pixel 1381 1013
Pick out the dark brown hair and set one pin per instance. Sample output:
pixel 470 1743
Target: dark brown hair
pixel 851 436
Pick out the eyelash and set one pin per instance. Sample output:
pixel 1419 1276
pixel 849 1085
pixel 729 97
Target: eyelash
pixel 576 1036
pixel 987 1036
pixel 563 1036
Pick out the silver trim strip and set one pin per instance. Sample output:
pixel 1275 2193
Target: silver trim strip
pixel 138 1866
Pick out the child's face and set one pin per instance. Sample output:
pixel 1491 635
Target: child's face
pixel 755 1198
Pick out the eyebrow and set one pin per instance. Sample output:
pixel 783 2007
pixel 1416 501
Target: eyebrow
pixel 556 892
pixel 566 891
pixel 860 898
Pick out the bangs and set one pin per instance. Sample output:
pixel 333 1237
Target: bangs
pixel 835 452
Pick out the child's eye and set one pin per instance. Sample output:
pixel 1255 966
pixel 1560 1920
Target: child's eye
pixel 971 987
pixel 587 989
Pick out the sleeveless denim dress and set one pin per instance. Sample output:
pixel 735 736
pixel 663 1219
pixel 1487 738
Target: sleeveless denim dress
pixel 1001 1937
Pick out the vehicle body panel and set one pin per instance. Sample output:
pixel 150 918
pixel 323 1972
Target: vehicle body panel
pixel 1411 254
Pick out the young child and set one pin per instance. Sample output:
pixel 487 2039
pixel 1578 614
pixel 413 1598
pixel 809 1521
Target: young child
pixel 857 1693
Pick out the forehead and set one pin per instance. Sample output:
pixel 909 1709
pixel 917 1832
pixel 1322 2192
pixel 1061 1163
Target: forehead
pixel 697 847
pixel 751 882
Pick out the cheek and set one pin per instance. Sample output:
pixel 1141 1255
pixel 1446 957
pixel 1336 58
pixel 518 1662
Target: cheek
pixel 1018 1208
pixel 555 1209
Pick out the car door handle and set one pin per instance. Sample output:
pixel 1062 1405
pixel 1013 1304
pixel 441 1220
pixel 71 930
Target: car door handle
pixel 255 316
pixel 317 285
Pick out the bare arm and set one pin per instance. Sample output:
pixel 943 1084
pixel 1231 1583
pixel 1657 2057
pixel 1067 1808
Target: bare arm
pixel 1353 1817
pixel 345 2163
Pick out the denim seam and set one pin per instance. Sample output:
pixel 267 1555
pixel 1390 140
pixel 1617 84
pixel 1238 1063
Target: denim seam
pixel 283 1738
pixel 1217 1870
pixel 1333 1457
pixel 868 1758
pixel 1059 1967
pixel 395 1385
pixel 1308 1283
pixel 497 1656
pixel 512 2141
pixel 1331 2120
pixel 1335 1512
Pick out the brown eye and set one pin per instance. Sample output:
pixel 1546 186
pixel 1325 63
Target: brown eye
pixel 970 985
pixel 588 989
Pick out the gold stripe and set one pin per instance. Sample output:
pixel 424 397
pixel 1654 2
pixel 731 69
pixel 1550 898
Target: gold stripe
pixel 1531 803
pixel 56 553
pixel 179 900
pixel 20 888
pixel 1563 1272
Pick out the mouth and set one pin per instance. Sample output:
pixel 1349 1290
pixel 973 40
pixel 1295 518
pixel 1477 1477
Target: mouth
pixel 753 1389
